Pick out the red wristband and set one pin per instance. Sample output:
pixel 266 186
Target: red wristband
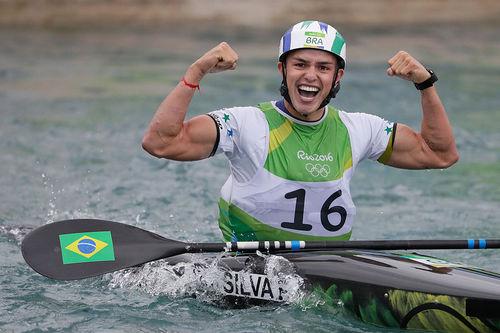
pixel 190 85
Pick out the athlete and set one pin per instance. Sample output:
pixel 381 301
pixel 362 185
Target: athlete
pixel 292 159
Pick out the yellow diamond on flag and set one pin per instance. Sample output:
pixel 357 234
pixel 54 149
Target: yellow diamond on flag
pixel 86 246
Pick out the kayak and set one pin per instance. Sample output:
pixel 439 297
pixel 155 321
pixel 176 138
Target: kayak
pixel 397 290
pixel 406 291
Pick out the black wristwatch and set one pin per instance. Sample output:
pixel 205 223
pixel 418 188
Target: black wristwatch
pixel 427 83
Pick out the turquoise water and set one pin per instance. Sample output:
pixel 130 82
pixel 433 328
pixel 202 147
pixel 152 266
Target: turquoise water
pixel 74 106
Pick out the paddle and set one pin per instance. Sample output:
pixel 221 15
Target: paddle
pixel 82 248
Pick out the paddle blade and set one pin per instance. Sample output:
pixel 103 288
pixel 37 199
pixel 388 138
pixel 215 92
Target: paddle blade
pixel 82 248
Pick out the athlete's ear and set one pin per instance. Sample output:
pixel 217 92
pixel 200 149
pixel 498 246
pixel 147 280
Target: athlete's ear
pixel 280 67
pixel 340 74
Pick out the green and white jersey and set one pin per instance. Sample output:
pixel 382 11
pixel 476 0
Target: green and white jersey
pixel 289 178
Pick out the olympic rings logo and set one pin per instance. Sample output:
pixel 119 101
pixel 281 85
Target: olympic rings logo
pixel 316 170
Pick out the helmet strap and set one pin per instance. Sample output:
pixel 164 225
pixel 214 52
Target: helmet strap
pixel 333 92
pixel 284 87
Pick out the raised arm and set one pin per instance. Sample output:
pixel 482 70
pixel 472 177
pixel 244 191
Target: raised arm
pixel 434 146
pixel 169 135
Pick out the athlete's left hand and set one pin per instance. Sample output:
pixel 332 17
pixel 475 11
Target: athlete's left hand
pixel 403 65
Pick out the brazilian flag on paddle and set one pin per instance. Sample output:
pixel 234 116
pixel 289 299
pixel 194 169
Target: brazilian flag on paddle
pixel 86 247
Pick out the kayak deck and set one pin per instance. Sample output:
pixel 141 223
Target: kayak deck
pixel 408 291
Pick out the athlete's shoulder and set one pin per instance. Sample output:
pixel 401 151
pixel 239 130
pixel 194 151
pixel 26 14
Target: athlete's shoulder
pixel 344 117
pixel 359 118
pixel 369 134
pixel 236 114
pixel 237 109
pixel 267 106
pixel 240 122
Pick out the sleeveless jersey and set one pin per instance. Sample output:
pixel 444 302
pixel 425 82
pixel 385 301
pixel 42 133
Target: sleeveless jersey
pixel 289 178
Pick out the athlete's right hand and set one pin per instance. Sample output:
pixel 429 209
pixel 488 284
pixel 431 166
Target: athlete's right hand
pixel 220 58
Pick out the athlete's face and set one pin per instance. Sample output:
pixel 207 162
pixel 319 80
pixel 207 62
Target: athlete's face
pixel 309 77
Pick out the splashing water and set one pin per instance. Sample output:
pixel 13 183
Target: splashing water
pixel 16 232
pixel 206 278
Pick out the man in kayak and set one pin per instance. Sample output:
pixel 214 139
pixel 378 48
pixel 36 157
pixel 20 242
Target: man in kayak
pixel 292 160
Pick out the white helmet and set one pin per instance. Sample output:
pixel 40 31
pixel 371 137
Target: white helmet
pixel 314 35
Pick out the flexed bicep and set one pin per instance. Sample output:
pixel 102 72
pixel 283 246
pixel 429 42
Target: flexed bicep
pixel 195 140
pixel 411 151
pixel 434 146
pixel 169 134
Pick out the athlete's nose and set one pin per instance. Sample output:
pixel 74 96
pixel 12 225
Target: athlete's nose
pixel 310 73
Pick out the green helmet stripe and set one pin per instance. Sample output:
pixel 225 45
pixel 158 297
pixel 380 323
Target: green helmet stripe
pixel 338 43
pixel 306 24
pixel 314 35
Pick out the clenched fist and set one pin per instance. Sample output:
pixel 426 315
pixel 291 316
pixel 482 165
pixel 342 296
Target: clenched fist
pixel 406 67
pixel 220 58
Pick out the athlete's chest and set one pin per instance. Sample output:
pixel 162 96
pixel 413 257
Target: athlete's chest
pixel 308 153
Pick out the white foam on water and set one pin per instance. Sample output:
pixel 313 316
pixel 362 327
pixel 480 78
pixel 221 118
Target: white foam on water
pixel 161 278
pixel 281 271
pixel 203 278
pixel 16 232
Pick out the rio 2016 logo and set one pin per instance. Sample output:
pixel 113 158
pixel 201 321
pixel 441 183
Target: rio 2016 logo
pixel 317 170
pixel 302 155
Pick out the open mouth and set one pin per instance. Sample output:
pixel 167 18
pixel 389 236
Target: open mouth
pixel 308 91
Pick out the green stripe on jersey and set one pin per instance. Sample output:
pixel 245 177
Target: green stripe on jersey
pixel 311 153
pixel 280 134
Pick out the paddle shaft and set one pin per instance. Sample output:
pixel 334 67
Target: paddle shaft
pixel 273 246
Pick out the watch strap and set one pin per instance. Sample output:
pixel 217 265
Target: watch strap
pixel 429 82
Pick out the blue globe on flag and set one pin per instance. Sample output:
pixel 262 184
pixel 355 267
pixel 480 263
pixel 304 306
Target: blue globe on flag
pixel 86 246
